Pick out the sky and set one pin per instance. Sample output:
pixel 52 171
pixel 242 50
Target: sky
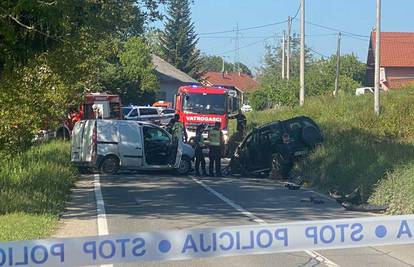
pixel 356 17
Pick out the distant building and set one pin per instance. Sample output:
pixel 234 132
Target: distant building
pixel 397 60
pixel 170 79
pixel 243 83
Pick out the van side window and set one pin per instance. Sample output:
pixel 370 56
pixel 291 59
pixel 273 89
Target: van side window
pixel 152 134
pixel 147 111
pixel 129 134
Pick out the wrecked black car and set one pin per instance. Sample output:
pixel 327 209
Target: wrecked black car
pixel 274 147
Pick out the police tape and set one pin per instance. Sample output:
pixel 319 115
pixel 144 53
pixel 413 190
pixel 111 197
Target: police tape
pixel 210 242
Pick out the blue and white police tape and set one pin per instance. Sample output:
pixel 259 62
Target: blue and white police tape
pixel 210 242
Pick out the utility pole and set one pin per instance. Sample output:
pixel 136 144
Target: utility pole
pixel 283 55
pixel 302 54
pixel 237 52
pixel 377 60
pixel 338 62
pixel 288 49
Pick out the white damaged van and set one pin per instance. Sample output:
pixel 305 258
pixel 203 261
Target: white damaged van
pixel 111 145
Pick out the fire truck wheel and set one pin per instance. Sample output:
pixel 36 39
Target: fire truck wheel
pixel 109 165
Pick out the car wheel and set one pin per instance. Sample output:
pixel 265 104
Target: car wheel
pixel 185 166
pixel 110 165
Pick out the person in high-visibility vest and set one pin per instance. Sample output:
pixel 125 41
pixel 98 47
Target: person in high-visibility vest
pixel 179 134
pixel 214 141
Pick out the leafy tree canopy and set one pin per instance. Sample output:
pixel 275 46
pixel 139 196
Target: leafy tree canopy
pixel 215 63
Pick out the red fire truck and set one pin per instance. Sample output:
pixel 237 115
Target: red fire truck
pixel 199 104
pixel 95 105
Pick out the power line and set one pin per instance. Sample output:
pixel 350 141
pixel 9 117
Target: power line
pixel 250 28
pixel 244 29
pixel 245 46
pixel 297 12
pixel 334 29
pixel 316 52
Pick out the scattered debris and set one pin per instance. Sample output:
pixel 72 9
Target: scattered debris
pixel 353 202
pixel 365 207
pixel 312 200
pixel 292 186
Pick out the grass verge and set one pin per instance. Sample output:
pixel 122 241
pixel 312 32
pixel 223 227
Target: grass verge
pixel 361 149
pixel 34 186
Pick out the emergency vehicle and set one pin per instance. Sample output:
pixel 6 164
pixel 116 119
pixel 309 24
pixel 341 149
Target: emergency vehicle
pixel 206 105
pixel 95 105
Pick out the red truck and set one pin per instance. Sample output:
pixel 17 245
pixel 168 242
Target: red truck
pixel 95 105
pixel 198 104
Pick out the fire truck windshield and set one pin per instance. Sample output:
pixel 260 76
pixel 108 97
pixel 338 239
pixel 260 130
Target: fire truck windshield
pixel 205 103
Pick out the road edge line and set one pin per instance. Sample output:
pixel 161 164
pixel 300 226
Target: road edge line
pixel 100 210
pixel 318 257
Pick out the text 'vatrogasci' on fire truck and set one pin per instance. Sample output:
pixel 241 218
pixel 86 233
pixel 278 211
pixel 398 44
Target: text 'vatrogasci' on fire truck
pixel 199 104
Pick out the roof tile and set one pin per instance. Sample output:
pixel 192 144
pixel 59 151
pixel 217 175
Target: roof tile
pixel 242 81
pixel 397 49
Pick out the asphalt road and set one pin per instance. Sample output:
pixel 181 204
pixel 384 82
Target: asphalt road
pixel 151 202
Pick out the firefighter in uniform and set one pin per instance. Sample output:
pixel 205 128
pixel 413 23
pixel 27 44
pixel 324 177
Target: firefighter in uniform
pixel 179 134
pixel 215 138
pixel 241 122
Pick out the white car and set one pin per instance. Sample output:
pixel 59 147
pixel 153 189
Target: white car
pixel 366 90
pixel 246 108
pixel 166 114
pixel 141 113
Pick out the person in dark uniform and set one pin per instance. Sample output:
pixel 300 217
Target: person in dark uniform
pixel 199 144
pixel 241 122
pixel 214 141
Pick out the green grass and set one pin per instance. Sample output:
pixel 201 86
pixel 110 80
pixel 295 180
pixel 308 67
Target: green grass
pixel 34 186
pixel 360 148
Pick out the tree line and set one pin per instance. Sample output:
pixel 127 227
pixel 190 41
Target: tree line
pixel 319 77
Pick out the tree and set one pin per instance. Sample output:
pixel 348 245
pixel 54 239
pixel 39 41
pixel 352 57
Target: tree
pixel 138 70
pixel 52 52
pixel 178 42
pixel 28 28
pixel 273 59
pixel 215 63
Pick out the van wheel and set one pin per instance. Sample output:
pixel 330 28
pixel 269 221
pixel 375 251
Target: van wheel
pixel 110 165
pixel 185 166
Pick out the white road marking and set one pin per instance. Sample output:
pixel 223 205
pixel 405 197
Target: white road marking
pixel 318 257
pixel 100 209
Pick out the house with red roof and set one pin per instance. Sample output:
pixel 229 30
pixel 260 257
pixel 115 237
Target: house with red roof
pixel 243 83
pixel 396 60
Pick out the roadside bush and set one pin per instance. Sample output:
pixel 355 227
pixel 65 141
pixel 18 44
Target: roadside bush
pixel 34 184
pixel 360 148
pixel 396 190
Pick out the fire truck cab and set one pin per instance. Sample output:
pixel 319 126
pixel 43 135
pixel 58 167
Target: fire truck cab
pixel 199 104
pixel 94 106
